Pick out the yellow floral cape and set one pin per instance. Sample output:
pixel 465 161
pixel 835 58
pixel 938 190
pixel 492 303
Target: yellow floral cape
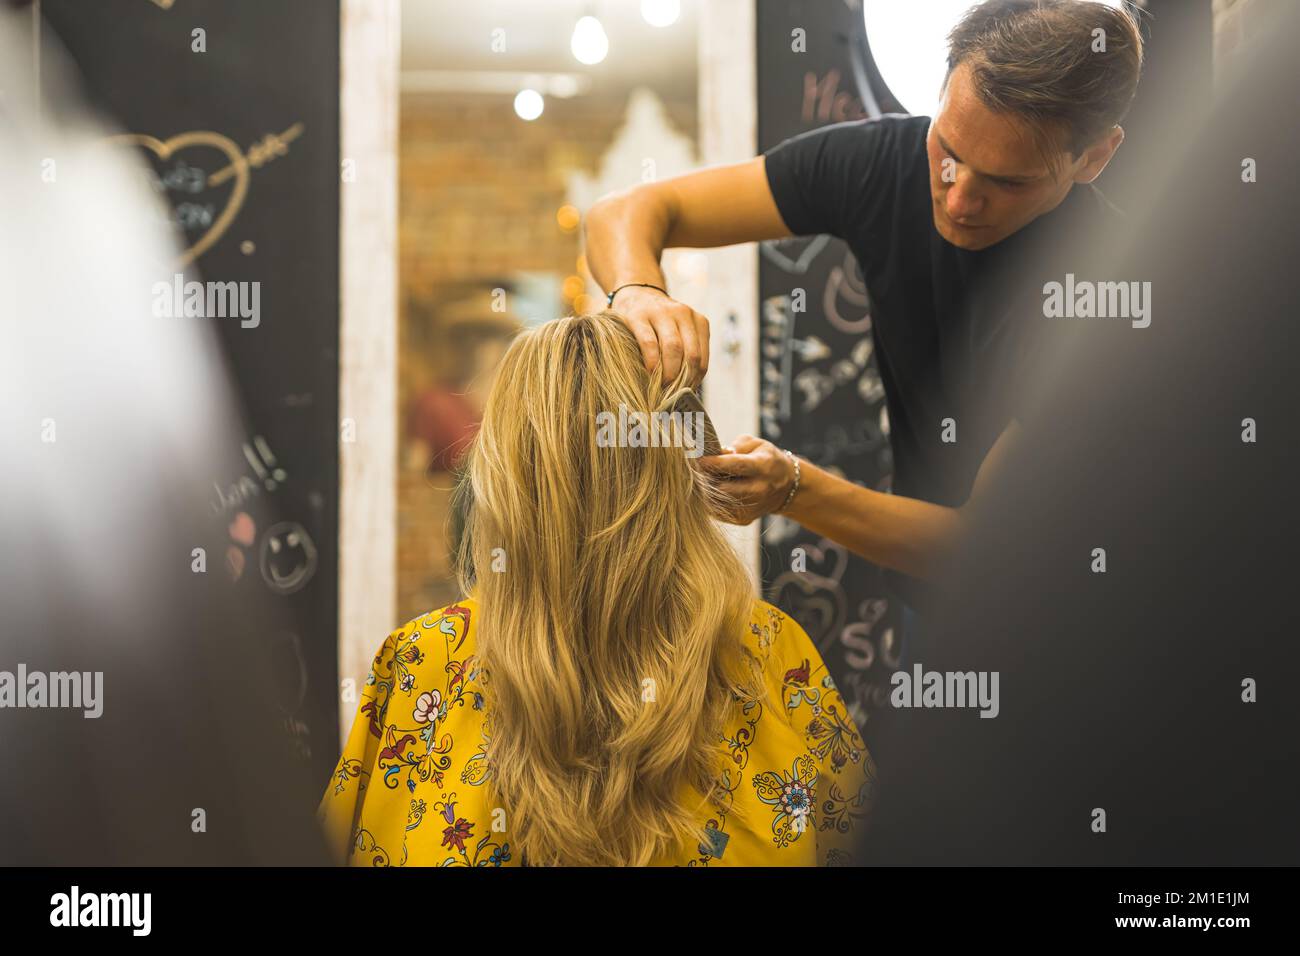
pixel 413 784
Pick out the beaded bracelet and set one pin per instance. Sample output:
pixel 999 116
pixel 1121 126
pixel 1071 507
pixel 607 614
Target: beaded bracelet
pixel 795 486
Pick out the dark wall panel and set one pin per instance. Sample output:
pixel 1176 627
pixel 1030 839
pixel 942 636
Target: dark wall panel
pixel 243 141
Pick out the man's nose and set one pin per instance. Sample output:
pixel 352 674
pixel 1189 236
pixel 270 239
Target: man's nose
pixel 962 201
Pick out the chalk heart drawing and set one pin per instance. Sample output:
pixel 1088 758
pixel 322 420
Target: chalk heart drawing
pixel 846 294
pixel 815 597
pixel 243 530
pixel 826 560
pixel 814 609
pixel 166 149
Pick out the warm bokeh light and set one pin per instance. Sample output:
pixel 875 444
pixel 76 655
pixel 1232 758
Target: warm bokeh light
pixel 568 217
pixel 573 287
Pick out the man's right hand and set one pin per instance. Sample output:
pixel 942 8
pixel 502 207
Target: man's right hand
pixel 670 333
pixel 626 233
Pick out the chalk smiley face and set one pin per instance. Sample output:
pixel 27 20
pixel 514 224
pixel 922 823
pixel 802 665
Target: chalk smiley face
pixel 288 557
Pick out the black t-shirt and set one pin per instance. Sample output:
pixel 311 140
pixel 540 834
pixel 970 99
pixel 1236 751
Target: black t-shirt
pixel 954 330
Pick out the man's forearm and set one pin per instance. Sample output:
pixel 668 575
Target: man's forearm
pixel 905 534
pixel 624 239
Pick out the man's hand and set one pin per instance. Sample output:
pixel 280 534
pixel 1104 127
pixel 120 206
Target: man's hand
pixel 625 235
pixel 757 477
pixel 670 333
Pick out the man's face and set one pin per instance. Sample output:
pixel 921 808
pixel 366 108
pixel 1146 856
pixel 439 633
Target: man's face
pixel 988 178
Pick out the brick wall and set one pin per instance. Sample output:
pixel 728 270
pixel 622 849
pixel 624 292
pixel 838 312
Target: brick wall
pixel 479 191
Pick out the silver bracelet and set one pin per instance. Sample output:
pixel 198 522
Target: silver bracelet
pixel 795 486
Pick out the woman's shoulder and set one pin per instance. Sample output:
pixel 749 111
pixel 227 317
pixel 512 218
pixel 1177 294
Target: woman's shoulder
pixel 775 635
pixel 453 621
pixel 792 662
pixel 436 638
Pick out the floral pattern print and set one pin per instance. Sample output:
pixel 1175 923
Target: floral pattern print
pixel 795 789
pixel 791 796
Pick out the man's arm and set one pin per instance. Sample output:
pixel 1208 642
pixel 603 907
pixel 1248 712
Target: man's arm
pixel 626 233
pixel 905 534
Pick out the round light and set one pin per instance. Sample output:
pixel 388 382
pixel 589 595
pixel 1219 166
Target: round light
pixel 567 218
pixel 661 13
pixel 528 104
pixel 911 51
pixel 589 43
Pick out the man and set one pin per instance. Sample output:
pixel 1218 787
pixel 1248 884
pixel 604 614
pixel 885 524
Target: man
pixel 1158 687
pixel 933 210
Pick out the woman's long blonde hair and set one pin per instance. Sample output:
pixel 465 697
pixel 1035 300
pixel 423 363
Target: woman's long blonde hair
pixel 611 606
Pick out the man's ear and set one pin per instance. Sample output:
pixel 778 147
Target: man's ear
pixel 1096 156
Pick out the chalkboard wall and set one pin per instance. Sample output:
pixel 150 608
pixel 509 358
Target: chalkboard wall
pixel 820 392
pixel 234 105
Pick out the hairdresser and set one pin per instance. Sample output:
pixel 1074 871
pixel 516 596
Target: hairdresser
pixel 934 210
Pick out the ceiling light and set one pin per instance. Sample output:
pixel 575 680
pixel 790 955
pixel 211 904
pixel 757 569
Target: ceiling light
pixel 529 104
pixel 589 43
pixel 661 13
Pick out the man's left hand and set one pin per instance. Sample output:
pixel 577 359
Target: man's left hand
pixel 757 478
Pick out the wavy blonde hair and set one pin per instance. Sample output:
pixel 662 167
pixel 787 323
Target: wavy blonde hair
pixel 616 580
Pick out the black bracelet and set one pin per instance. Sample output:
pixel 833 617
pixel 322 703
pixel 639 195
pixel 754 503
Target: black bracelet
pixel 644 285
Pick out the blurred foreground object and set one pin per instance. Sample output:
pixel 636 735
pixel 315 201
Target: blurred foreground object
pixel 1126 732
pixel 113 423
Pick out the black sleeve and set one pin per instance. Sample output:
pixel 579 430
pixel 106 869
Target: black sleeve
pixel 835 178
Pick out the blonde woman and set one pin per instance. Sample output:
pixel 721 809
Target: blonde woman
pixel 609 692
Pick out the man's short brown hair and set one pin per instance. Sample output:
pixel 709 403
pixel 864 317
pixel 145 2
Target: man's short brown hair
pixel 1044 60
